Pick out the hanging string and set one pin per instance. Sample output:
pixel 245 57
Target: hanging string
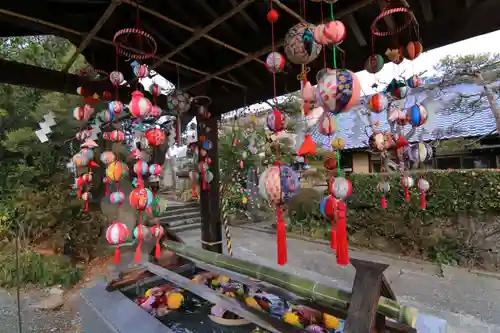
pixel 334 48
pixel 322 21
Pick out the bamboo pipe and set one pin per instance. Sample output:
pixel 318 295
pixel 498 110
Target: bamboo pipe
pixel 317 292
pixel 187 28
pixel 92 33
pixel 105 41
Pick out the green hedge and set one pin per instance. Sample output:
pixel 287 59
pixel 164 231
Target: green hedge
pixel 458 226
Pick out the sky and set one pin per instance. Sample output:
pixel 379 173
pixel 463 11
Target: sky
pixel 426 61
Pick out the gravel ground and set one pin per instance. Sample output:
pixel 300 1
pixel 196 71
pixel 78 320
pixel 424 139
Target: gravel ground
pixel 34 321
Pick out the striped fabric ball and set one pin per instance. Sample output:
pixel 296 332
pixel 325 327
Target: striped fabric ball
pixel 115 107
pixel 281 184
pixel 276 121
pixel 417 115
pixel 117 198
pixel 374 64
pixel 117 233
pixel 342 188
pixel 141 167
pixel 141 232
pixel 414 82
pixel 157 231
pixel 378 103
pixel 140 107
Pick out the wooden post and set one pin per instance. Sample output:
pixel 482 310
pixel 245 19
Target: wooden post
pixel 361 315
pixel 211 227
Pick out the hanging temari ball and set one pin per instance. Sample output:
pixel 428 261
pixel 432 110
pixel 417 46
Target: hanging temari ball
pixel 300 46
pixel 414 81
pixel 178 102
pixel 281 184
pixel 116 78
pixel 276 121
pixel 338 90
pixel 417 115
pixel 275 62
pixel 140 107
pixel 374 63
pixel 412 50
pixel 378 103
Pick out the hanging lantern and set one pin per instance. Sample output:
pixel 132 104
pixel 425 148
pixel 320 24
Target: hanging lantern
pixel 140 71
pixel 116 171
pixel 140 106
pixel 116 234
pixel 300 45
pixel 107 157
pixel 381 141
pixel 417 115
pixel 116 78
pixel 333 32
pixel 378 103
pixel 374 64
pixel 155 136
pixel 339 90
pixel 156 111
pixel 178 102
pixel 157 231
pixel 384 189
pixel 155 169
pixel 327 124
pixel 275 62
pixel 342 189
pixel 281 183
pixel 423 186
pixel 412 50
pixel 338 143
pixel 115 107
pixel 414 82
pixel 276 121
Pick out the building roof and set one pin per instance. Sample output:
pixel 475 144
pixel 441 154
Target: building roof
pixel 449 122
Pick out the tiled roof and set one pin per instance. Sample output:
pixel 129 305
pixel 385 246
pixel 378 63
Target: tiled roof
pixel 449 122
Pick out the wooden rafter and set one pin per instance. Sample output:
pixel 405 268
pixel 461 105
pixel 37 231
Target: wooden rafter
pixel 356 30
pixel 162 38
pixel 247 17
pixel 56 27
pixel 268 48
pixel 187 28
pixel 92 33
pixel 196 36
pixel 427 10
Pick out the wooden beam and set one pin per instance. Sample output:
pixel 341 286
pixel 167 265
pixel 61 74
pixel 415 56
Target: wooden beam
pixel 427 10
pixel 469 3
pixel 356 30
pixel 247 17
pixel 92 33
pixel 58 28
pixel 239 63
pixel 162 38
pixel 187 28
pixel 288 10
pixel 267 49
pixel 203 31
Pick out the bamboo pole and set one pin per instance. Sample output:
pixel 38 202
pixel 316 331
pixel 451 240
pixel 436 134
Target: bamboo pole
pixel 92 33
pixel 187 28
pixel 225 220
pixel 105 41
pixel 196 36
pixel 317 292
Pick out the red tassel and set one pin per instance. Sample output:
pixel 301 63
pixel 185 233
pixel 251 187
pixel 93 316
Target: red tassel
pixel 106 189
pixel 157 248
pixel 117 255
pixel 193 190
pixel 137 257
pixel 342 247
pixel 281 237
pixel 383 202
pixel 423 202
pixel 307 108
pixel 308 147
pixel 407 194
pixel 333 237
pixel 86 209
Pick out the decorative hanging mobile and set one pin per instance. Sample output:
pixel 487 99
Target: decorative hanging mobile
pixel 201 104
pixel 179 103
pixel 116 234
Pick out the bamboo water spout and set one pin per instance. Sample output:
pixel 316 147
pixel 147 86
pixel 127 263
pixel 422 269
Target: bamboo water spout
pixel 317 292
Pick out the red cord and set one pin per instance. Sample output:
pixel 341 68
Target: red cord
pixel 322 21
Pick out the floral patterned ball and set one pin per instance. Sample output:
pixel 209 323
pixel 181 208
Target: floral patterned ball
pixel 178 102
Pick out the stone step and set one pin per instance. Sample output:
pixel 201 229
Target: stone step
pixel 174 223
pixel 180 217
pixel 173 206
pixel 183 210
pixel 186 227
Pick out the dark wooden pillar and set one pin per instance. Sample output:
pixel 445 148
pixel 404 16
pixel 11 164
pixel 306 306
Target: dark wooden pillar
pixel 211 231
pixel 361 315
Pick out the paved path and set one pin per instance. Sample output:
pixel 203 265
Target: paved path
pixel 470 303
